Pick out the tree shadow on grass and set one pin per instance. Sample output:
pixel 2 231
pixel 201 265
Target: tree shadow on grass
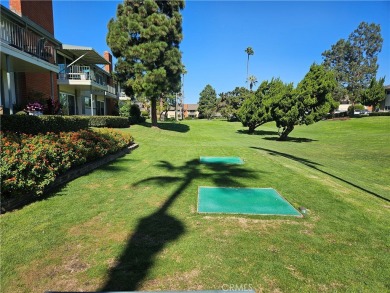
pixel 266 132
pixel 257 132
pixel 169 126
pixel 292 139
pixel 156 230
pixel 315 166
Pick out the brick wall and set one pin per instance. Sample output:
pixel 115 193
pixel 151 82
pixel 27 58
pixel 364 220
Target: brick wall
pixel 108 57
pixel 40 12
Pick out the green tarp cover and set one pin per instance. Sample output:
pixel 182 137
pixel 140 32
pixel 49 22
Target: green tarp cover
pixel 253 201
pixel 221 160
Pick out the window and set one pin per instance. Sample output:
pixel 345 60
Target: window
pixel 99 108
pixel 87 102
pixel 68 104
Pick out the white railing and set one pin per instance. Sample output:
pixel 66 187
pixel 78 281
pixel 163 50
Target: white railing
pixel 80 72
pixel 111 89
pixel 26 40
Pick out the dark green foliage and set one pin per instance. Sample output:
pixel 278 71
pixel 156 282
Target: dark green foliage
pixel 207 102
pixel 53 123
pixel 375 93
pixel 229 103
pixel 42 124
pixel 135 115
pixel 108 121
pixel 308 103
pixel 132 112
pixel 145 38
pixel 256 109
pixel 135 111
pixel 136 120
pixel 355 60
pixel 380 114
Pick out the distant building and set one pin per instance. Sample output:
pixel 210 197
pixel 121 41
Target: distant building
pixel 385 105
pixel 191 111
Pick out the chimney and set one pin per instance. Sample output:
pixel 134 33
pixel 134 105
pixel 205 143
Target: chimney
pixel 108 57
pixel 39 11
pixel 16 6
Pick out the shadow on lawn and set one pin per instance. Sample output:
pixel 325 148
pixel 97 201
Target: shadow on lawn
pixel 266 132
pixel 291 139
pixel 170 126
pixel 155 231
pixel 314 165
pixel 257 132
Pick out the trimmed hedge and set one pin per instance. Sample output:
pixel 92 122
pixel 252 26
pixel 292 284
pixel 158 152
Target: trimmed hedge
pixel 42 124
pixel 379 114
pixel 108 121
pixel 54 123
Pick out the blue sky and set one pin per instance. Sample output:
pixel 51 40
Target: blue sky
pixel 287 37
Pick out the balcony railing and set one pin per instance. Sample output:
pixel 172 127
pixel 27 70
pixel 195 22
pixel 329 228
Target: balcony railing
pixel 26 40
pixel 80 72
pixel 111 89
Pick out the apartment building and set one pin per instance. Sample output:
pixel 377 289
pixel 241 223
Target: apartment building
pixel 34 63
pixel 85 83
pixel 385 105
pixel 28 52
pixel 191 111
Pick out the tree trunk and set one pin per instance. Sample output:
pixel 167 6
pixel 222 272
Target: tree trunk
pixel 154 112
pixel 251 129
pixel 286 132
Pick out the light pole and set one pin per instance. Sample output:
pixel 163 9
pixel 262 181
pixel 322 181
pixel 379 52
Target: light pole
pixel 176 96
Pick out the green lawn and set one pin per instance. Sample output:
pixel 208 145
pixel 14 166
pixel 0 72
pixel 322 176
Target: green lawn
pixel 133 225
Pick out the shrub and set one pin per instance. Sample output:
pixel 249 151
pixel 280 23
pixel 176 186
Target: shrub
pixel 380 114
pixel 135 111
pixel 145 114
pixel 30 163
pixel 108 121
pixel 135 120
pixel 53 123
pixel 42 124
pixel 124 108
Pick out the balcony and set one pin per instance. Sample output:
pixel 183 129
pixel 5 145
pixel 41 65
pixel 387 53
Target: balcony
pixel 85 75
pixel 27 40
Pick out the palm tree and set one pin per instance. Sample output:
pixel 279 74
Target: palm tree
pixel 252 81
pixel 249 51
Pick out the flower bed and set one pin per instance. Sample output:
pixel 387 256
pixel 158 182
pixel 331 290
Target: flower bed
pixel 29 163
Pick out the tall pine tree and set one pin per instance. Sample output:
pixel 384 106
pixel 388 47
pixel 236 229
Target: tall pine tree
pixel 145 38
pixel 207 102
pixel 354 60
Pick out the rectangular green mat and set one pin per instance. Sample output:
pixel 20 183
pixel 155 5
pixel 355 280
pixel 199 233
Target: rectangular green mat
pixel 251 201
pixel 221 160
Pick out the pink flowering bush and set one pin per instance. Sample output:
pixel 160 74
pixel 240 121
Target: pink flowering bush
pixel 31 162
pixel 36 106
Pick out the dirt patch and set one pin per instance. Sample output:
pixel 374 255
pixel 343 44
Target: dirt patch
pixel 100 230
pixel 60 270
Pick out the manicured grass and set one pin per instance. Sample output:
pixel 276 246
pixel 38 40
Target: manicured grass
pixel 133 225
